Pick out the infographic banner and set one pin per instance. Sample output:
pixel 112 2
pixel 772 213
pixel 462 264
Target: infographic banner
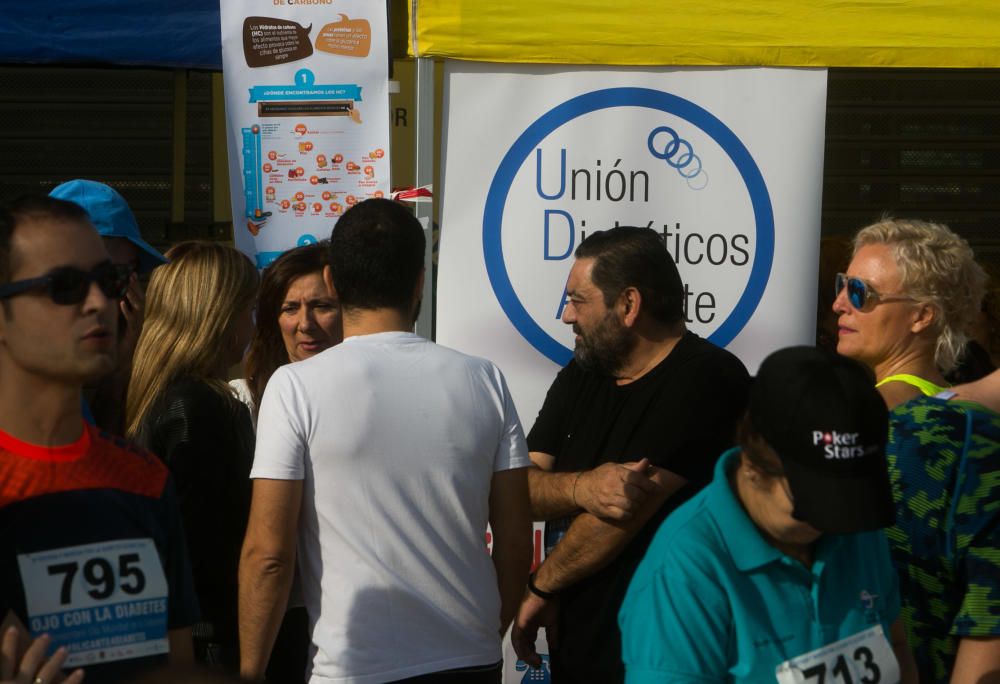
pixel 307 107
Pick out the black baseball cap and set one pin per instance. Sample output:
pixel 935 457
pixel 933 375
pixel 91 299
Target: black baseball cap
pixel 828 424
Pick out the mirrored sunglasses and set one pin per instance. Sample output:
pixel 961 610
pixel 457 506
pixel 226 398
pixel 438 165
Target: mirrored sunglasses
pixel 860 294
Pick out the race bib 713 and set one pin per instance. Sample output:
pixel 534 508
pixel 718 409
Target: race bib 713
pixel 862 658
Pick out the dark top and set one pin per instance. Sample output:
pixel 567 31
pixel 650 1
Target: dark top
pixel 206 438
pixel 92 552
pixel 681 416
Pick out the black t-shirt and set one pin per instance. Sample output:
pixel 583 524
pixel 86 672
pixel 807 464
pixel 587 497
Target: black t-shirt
pixel 681 416
pixel 206 438
pixel 92 552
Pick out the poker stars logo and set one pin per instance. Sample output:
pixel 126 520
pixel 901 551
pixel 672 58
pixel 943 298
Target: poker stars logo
pixel 628 156
pixel 839 445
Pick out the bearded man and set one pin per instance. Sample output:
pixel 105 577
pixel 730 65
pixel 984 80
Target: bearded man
pixel 629 430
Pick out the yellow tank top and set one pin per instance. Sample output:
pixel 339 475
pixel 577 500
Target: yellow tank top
pixel 926 386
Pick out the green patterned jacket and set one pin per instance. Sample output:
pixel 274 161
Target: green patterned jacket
pixel 944 463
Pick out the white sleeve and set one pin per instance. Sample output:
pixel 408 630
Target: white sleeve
pixel 512 451
pixel 281 437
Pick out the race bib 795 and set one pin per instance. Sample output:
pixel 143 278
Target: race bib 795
pixel 103 602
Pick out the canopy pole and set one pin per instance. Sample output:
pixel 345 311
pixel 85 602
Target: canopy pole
pixel 424 175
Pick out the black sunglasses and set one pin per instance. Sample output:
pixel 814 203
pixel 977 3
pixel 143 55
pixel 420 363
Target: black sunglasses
pixel 860 294
pixel 126 270
pixel 70 285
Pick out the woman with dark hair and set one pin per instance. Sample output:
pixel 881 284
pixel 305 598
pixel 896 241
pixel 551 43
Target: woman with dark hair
pixel 297 317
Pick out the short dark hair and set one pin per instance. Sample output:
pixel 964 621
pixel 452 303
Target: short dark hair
pixel 376 256
pixel 267 350
pixel 752 444
pixel 31 208
pixel 626 256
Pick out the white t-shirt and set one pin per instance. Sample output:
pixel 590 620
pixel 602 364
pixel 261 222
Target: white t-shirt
pixel 242 390
pixel 396 439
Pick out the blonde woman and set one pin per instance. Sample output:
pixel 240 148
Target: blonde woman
pixel 199 320
pixel 910 292
pixel 903 306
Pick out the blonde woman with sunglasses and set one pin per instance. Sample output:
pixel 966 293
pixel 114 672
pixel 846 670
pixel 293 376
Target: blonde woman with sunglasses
pixel 908 295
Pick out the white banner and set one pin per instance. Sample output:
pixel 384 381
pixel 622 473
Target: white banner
pixel 307 105
pixel 726 164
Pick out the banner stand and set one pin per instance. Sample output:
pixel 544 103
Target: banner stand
pixel 424 175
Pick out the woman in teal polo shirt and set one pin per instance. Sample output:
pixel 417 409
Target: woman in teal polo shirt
pixel 778 570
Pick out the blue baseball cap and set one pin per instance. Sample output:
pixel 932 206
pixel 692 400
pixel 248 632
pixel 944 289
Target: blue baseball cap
pixel 110 214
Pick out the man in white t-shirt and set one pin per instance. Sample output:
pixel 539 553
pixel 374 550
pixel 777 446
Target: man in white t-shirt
pixel 383 459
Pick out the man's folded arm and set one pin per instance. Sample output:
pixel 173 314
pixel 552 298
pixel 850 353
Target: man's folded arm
pixel 591 543
pixel 613 491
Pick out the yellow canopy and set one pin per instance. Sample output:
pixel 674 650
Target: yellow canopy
pixel 808 33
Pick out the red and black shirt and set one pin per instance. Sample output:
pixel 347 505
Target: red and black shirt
pixel 92 551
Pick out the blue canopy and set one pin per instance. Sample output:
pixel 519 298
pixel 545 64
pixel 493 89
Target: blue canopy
pixel 175 33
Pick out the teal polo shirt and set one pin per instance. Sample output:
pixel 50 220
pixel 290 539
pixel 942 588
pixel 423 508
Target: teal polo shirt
pixel 712 601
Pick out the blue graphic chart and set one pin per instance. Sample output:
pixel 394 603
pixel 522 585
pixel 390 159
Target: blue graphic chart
pixel 253 189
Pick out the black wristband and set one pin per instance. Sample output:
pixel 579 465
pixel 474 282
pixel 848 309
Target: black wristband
pixel 547 595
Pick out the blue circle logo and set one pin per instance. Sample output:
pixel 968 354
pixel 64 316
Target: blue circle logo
pixel 647 98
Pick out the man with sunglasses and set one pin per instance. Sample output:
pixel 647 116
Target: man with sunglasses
pixel 135 258
pixel 91 548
